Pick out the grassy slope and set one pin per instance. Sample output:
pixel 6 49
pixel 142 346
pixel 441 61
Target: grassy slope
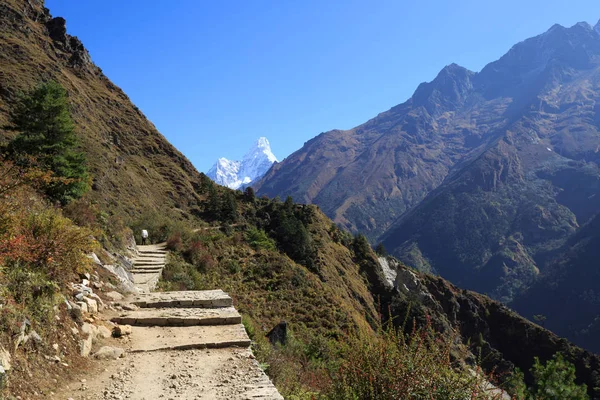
pixel 134 167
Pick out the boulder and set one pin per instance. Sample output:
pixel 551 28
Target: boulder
pixel 83 307
pixel 95 259
pixel 4 359
pixel 109 353
pixel 115 296
pixel 122 330
pixel 85 346
pixel 89 330
pixel 103 332
pixel 92 305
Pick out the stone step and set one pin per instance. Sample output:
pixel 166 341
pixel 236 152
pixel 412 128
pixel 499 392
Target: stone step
pixel 147 271
pixel 149 267
pixel 180 317
pixel 183 299
pixel 152 250
pixel 152 254
pixel 158 338
pixel 149 259
pixel 138 264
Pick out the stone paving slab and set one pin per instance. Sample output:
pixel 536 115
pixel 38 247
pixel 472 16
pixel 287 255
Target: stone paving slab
pixel 179 317
pixel 144 277
pixel 183 299
pixel 188 337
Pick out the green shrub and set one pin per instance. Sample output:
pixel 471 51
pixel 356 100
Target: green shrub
pixel 258 239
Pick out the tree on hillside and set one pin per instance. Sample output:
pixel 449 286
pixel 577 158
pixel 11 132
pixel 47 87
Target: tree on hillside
pixel 229 208
pixel 380 250
pixel 46 133
pixel 213 203
pixel 249 195
pixel 556 381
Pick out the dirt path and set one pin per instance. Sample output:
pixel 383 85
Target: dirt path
pixel 230 373
pixel 183 345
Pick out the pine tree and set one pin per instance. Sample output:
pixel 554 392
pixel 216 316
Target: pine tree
pixel 556 381
pixel 229 208
pixel 249 195
pixel 213 205
pixel 47 134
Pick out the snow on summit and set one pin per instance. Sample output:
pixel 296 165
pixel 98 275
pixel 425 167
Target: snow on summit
pixel 254 165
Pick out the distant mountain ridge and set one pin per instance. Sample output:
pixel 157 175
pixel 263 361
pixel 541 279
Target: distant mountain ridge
pixel 235 174
pixel 479 176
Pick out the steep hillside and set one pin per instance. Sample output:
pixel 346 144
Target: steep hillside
pixel 134 167
pixel 497 335
pixel 497 168
pixel 569 287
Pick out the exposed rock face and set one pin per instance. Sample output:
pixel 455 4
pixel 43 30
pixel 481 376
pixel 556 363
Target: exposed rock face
pixel 478 176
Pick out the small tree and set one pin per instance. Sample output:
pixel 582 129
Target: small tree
pixel 46 133
pixel 380 250
pixel 540 319
pixel 556 381
pixel 249 195
pixel 361 247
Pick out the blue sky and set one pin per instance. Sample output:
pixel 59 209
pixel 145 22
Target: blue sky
pixel 213 76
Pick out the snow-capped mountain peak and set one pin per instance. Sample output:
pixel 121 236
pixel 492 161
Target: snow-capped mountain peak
pixel 254 165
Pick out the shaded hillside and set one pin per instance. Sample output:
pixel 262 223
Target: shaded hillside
pixel 501 337
pixel 569 289
pixel 497 168
pixel 133 166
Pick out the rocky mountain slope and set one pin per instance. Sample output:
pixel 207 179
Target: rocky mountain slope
pixel 133 166
pixel 254 165
pixel 497 168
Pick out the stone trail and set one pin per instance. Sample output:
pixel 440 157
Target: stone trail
pixel 183 345
pixel 148 266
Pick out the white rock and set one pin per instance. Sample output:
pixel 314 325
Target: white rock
pixel 92 305
pixel 4 359
pixel 104 332
pixel 115 296
pixel 109 353
pixel 85 346
pixel 83 305
pixel 89 329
